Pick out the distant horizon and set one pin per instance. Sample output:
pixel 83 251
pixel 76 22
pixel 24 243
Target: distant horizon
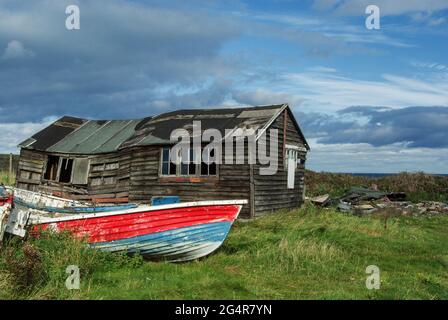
pixel 380 173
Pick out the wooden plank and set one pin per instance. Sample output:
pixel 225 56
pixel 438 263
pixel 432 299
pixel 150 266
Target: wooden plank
pixel 252 192
pixel 114 200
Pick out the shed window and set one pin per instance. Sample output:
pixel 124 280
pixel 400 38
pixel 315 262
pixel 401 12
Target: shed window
pixel 51 172
pixel 168 167
pixel 65 174
pixel 66 170
pixel 186 167
pixel 208 168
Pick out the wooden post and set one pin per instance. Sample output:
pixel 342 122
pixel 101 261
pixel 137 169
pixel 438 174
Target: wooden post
pixel 252 191
pixel 285 123
pixel 10 169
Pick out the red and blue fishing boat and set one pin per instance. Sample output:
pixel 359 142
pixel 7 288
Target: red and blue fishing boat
pixel 171 232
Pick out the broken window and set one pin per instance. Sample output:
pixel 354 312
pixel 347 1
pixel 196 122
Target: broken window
pixel 107 175
pixel 51 172
pixel 66 170
pixel 111 166
pixel 98 167
pixel 109 180
pixel 65 174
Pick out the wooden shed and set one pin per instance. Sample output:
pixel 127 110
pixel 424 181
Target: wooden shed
pixel 113 161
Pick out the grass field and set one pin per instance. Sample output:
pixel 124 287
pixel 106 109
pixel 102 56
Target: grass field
pixel 308 253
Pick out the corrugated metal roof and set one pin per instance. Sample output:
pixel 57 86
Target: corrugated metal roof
pixel 81 136
pixel 96 137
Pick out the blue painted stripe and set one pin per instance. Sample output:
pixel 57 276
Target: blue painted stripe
pixel 172 242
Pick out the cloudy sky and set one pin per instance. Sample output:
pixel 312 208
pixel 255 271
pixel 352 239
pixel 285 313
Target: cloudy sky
pixel 367 100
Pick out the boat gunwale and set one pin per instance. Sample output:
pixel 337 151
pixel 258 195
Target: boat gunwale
pixel 37 219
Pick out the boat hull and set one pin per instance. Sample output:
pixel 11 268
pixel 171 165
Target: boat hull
pixel 178 232
pixel 181 244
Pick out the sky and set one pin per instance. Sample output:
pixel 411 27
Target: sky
pixel 367 100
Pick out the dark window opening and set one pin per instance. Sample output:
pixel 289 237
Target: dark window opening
pixel 208 164
pixel 65 174
pixel 167 166
pixel 191 164
pixel 51 171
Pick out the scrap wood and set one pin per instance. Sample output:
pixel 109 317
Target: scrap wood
pixel 320 200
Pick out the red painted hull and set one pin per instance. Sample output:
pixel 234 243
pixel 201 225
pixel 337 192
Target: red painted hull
pixel 122 226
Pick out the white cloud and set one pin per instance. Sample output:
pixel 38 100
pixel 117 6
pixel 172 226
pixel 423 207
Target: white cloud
pixel 363 157
pixel 14 133
pixel 387 7
pixel 331 92
pixel 437 21
pixel 295 28
pixel 16 50
pixel 322 69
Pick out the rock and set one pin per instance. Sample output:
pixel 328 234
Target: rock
pixel 422 210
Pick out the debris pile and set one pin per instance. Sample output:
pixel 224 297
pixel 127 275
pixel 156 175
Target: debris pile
pixel 361 200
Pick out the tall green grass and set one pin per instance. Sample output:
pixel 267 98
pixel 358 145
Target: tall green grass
pixel 6 178
pixel 309 253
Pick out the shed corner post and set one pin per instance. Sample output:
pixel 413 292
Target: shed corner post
pixel 252 192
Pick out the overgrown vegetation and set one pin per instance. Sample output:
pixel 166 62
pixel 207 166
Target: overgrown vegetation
pixel 36 268
pixel 309 253
pixel 418 186
pixel 4 162
pixel 6 178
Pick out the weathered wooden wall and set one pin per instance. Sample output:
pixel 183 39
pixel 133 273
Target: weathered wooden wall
pixel 29 170
pixel 270 191
pixel 114 176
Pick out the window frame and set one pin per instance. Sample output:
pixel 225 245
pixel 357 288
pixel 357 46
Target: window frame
pixel 99 171
pixel 58 173
pixel 178 174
